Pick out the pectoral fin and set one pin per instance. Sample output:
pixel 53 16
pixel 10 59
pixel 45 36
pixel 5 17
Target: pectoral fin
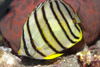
pixel 78 18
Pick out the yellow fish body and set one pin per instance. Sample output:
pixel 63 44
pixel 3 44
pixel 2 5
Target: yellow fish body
pixel 50 28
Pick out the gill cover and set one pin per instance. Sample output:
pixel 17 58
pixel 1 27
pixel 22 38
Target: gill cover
pixel 50 29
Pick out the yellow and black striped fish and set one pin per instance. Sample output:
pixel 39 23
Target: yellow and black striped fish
pixel 50 28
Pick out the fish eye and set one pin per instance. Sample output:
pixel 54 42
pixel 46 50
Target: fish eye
pixel 74 20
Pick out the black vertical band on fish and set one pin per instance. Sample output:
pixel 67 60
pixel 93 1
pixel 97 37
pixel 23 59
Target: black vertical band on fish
pixel 42 33
pixel 26 49
pixel 51 29
pixel 66 20
pixel 60 23
pixel 33 45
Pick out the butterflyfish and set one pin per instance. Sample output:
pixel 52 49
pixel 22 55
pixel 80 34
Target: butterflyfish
pixel 50 28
